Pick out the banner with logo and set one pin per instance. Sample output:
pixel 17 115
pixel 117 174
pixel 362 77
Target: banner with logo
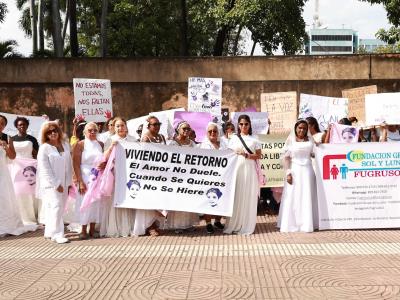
pixel 356 98
pixel 358 185
pixel 93 101
pixel 35 124
pixel 155 176
pixel 205 95
pixel 271 162
pixel 326 110
pixel 259 121
pixel 282 110
pixel 23 175
pixel 384 107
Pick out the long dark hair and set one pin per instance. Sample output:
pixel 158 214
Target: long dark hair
pixel 302 121
pixel 247 118
pixel 312 122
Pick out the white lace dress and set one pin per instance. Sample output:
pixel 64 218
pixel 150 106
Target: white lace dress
pixel 29 205
pixel 10 218
pixel 244 216
pixel 298 210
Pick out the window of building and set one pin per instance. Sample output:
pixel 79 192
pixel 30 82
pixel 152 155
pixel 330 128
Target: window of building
pixel 331 37
pixel 332 49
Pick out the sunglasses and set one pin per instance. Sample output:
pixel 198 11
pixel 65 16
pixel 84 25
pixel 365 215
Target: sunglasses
pixel 51 131
pixel 212 131
pixel 243 124
pixel 155 124
pixel 92 130
pixel 186 129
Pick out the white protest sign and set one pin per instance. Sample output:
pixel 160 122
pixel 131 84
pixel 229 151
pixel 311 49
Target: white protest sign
pixel 166 117
pixel 259 121
pixel 156 176
pixel 358 185
pixel 93 101
pixel 133 125
pixel 205 95
pixel 326 110
pixel 282 110
pixel 35 124
pixel 381 108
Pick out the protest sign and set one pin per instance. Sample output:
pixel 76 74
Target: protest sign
pixel 358 185
pixel 271 162
pixel 156 176
pixel 93 100
pixel 205 95
pixel 384 107
pixel 356 98
pixel 133 125
pixel 198 122
pixel 23 175
pixel 343 134
pixel 282 110
pixel 166 117
pixel 326 110
pixel 259 121
pixel 35 124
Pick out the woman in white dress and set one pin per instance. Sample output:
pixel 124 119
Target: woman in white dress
pixel 117 221
pixel 53 180
pixel 10 218
pixel 85 155
pixel 213 142
pixel 148 221
pixel 244 216
pixel 298 211
pixel 181 220
pixel 26 147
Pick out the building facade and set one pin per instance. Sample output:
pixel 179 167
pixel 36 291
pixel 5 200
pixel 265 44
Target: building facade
pixel 332 41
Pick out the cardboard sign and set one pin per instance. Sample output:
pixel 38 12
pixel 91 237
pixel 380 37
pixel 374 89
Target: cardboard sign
pixel 93 101
pixel 357 101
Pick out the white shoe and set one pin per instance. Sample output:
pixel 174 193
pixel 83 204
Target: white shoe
pixel 60 240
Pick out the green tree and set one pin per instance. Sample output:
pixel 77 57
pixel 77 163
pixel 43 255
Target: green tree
pixel 7 49
pixel 3 11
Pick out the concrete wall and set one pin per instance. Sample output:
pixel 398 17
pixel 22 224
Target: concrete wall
pixel 140 85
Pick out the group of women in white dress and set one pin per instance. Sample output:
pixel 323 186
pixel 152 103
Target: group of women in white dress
pixel 61 174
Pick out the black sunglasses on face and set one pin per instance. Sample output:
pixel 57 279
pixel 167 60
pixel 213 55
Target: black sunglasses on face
pixel 155 124
pixel 52 131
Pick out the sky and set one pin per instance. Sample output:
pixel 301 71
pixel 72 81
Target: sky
pixel 365 18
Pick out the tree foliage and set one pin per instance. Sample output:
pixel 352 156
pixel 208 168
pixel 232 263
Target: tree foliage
pixel 3 11
pixel 7 49
pixel 392 35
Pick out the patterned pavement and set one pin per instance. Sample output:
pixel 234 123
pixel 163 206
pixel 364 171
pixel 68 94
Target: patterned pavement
pixel 338 264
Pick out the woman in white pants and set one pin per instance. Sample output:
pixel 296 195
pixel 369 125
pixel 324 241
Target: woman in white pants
pixel 54 178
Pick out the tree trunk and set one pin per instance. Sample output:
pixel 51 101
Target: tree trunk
pixel 222 34
pixel 103 29
pixel 235 46
pixel 40 24
pixel 253 48
pixel 183 50
pixel 33 26
pixel 64 31
pixel 56 22
pixel 73 32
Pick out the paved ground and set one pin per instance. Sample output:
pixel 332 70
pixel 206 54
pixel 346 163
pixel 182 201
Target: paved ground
pixel 352 264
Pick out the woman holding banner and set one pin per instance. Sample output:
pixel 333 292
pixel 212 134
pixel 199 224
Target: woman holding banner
pixel 53 180
pixel 85 157
pixel 298 211
pixel 148 221
pixel 10 218
pixel 214 142
pixel 180 220
pixel 26 149
pixel 248 148
pixel 117 221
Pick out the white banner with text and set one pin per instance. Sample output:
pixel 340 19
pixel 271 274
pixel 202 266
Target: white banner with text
pixel 358 185
pixel 156 176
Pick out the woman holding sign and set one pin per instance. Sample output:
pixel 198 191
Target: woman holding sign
pixel 180 220
pixel 117 221
pixel 298 211
pixel 214 142
pixel 248 148
pixel 146 221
